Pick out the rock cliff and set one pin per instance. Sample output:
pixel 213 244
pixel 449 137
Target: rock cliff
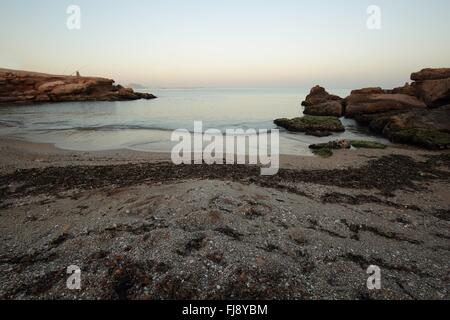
pixel 23 87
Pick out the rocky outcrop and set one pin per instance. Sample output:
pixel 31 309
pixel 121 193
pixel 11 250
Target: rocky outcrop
pixel 368 91
pixel 368 101
pixel 329 108
pixel 319 95
pixel 436 119
pixel 431 74
pixel 417 113
pixel 433 92
pixel 320 103
pixel 311 124
pixel 407 89
pixel 425 128
pixel 428 128
pixel 322 112
pixel 18 87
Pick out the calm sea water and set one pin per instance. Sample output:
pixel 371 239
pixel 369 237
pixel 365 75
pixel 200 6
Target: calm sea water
pixel 146 125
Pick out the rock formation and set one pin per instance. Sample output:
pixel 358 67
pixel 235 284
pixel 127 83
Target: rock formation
pixel 329 108
pixel 432 86
pixel 18 87
pixel 431 74
pixel 428 128
pixel 326 149
pixel 319 95
pixel 320 103
pixel 375 101
pixel 311 124
pixel 417 113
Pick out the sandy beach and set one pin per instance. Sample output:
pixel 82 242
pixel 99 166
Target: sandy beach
pixel 224 159
pixel 140 227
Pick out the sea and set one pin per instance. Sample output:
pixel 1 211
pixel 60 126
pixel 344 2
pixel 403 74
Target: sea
pixel 147 125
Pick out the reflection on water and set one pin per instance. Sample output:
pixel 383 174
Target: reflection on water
pixel 146 125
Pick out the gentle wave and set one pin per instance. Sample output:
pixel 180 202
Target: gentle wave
pixel 117 127
pixel 113 127
pixel 11 123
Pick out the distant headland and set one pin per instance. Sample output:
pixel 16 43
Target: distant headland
pixel 25 87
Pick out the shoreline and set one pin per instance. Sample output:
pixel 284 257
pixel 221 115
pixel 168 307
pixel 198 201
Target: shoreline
pixel 21 153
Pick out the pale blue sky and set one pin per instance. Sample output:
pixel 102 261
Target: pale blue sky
pixel 228 42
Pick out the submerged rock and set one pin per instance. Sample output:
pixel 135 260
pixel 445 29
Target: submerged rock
pixel 319 134
pixel 363 144
pixel 326 149
pixel 323 152
pixel 335 145
pixel 32 87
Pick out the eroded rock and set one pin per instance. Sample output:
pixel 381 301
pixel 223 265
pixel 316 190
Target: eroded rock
pixel 32 87
pixel 431 74
pixel 311 124
pixel 360 102
pixel 428 128
pixel 319 95
pixel 329 108
pixel 434 93
pixel 320 103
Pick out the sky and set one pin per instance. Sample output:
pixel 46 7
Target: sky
pixel 228 43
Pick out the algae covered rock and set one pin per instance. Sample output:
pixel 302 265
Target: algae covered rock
pixel 334 145
pixel 426 138
pixel 362 144
pixel 325 150
pixel 311 124
pixel 426 128
pixel 329 108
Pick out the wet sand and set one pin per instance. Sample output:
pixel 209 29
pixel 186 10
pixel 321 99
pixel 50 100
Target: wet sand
pixel 20 154
pixel 141 228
